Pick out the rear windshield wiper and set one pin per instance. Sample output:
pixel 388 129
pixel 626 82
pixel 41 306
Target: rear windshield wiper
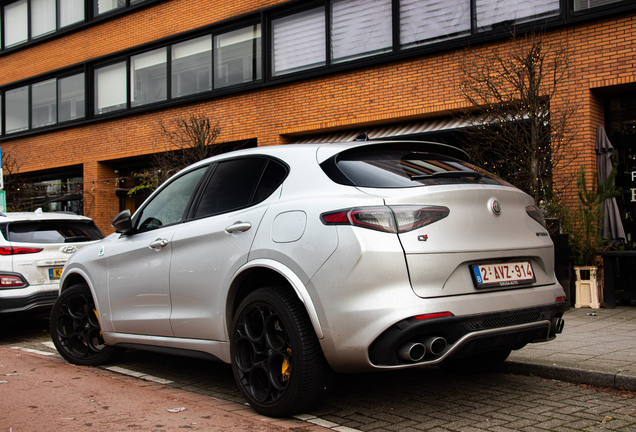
pixel 448 174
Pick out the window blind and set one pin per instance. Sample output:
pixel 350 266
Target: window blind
pixel 360 28
pixel 44 103
pixel 151 58
pixel 588 4
pixel 110 84
pixel 489 13
pixel 43 16
pixel 15 23
pixel 71 11
pixel 299 41
pixel 17 109
pixel 192 47
pixel 426 22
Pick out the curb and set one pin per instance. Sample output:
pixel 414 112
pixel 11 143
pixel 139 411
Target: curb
pixel 572 375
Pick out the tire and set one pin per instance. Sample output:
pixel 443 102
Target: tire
pixel 276 357
pixel 478 363
pixel 75 329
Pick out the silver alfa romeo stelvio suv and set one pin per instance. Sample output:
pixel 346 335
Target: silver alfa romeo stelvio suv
pixel 295 262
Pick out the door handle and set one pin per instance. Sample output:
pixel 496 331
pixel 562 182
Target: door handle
pixel 238 226
pixel 158 244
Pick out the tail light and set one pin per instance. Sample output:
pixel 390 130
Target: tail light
pixel 12 281
pixel 11 250
pixel 535 213
pixel 394 219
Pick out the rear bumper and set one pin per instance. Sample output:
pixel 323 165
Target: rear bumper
pixel 29 304
pixel 467 335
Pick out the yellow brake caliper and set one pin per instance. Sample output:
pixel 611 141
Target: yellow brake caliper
pixel 286 371
pixel 100 327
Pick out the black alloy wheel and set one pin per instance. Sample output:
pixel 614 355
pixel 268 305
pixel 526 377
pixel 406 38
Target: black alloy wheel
pixel 276 357
pixel 75 328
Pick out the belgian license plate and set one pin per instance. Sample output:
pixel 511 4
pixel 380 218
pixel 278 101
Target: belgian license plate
pixel 502 274
pixel 55 273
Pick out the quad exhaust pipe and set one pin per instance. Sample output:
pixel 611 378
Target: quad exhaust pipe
pixel 435 345
pixel 411 351
pixel 415 351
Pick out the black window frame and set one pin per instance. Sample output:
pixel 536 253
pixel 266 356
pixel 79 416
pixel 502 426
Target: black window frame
pixel 30 128
pixel 88 20
pixel 264 17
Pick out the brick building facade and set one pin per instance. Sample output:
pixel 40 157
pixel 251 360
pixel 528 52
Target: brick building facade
pixel 405 75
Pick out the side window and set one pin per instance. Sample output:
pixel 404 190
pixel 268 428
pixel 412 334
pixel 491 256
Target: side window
pixel 231 187
pixel 169 205
pixel 273 176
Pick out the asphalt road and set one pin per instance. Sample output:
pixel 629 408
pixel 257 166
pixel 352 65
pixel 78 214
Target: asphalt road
pixel 414 400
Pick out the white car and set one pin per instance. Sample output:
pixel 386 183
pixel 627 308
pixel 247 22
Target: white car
pixel 34 247
pixel 290 262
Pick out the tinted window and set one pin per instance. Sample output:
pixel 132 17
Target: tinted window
pixel 272 178
pixel 232 186
pixel 170 204
pixel 406 168
pixel 54 232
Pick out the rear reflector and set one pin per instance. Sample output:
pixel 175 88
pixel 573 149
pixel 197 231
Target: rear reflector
pixel 433 315
pixel 10 250
pixel 559 299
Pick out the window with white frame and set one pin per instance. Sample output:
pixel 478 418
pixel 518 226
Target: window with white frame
pixel 191 63
pixel 493 13
pixel 17 109
pixel 110 88
pixel 71 100
pixel 44 103
pixel 237 56
pixel 360 28
pixel 148 77
pixel 299 42
pixel 16 23
pixel 432 21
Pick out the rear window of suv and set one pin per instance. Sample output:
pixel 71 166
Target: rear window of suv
pixel 403 167
pixel 52 232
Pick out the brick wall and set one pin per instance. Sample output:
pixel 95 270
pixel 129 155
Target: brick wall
pixel 425 87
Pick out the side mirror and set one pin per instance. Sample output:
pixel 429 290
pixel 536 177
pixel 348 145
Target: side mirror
pixel 122 223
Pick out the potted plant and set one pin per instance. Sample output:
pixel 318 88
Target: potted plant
pixel 583 223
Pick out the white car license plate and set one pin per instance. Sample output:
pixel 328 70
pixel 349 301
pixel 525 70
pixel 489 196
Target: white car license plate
pixel 502 274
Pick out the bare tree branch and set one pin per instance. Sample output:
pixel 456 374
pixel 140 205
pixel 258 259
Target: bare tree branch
pixel 518 129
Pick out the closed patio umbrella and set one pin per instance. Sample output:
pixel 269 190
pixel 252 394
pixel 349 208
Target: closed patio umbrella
pixel 612 228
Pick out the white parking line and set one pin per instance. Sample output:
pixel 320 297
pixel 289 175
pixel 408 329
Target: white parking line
pixel 44 353
pixel 140 375
pixel 324 423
